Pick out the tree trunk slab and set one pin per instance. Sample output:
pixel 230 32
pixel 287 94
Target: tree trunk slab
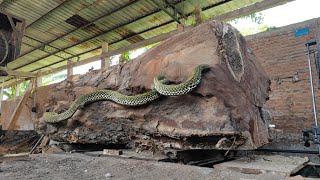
pixel 223 112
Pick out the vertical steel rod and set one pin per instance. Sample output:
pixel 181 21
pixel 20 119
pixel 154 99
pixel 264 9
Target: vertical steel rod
pixel 313 99
pixel 312 88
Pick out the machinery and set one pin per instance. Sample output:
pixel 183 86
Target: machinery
pixel 11 33
pixel 313 134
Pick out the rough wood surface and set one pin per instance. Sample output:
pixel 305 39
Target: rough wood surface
pixel 223 112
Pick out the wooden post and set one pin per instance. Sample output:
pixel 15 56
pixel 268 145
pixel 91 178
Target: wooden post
pixel 197 14
pixel 17 111
pixel 180 28
pixel 69 68
pixel 105 62
pixel 17 89
pixel 34 94
pixel 39 81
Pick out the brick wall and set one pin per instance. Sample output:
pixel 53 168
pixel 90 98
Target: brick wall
pixel 281 54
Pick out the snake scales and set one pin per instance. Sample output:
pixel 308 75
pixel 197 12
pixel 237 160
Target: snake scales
pixel 160 88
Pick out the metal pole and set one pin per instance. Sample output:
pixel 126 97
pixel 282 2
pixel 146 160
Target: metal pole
pixel 313 99
pixel 312 89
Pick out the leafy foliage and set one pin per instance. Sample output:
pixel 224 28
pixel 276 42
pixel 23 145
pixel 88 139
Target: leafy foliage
pixel 46 80
pixel 255 17
pixel 125 57
pixel 11 92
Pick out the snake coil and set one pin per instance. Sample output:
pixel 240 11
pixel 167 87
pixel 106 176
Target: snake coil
pixel 160 88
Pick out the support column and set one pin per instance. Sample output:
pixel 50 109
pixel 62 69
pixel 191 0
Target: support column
pixel 39 81
pixel 180 28
pixel 17 89
pixel 70 68
pixel 105 61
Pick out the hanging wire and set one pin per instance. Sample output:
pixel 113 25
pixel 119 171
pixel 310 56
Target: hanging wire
pixel 6 46
pixel 1 93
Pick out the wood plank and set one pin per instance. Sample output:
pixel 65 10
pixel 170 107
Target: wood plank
pixel 16 113
pixel 18 73
pixel 282 165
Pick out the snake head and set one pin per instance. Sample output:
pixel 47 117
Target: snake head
pixel 204 67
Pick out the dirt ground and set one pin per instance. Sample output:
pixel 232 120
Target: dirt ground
pixel 81 166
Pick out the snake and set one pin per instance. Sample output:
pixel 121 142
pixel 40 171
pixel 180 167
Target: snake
pixel 161 87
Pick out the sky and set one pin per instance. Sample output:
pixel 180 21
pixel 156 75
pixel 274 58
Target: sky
pixel 289 13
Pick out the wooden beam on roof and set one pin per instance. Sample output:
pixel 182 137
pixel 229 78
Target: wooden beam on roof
pixel 163 7
pixel 259 6
pixel 18 73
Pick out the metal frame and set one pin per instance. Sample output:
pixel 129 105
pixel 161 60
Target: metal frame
pixel 163 6
pixel 315 130
pixel 18 30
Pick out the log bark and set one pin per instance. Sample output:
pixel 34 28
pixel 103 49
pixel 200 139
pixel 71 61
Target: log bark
pixel 223 112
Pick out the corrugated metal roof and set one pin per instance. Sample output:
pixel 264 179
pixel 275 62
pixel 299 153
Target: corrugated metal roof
pixel 62 29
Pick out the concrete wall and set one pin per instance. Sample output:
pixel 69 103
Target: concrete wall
pixel 282 54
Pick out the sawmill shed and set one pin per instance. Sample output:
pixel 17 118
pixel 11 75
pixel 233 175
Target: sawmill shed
pixel 253 115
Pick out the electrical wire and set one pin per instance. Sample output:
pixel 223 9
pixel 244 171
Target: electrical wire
pixel 6 46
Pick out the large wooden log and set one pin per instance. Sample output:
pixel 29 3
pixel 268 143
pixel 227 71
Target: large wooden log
pixel 224 112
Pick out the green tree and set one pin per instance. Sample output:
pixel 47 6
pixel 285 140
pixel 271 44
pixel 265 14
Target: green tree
pixel 46 80
pixel 254 17
pixel 257 18
pixel 11 91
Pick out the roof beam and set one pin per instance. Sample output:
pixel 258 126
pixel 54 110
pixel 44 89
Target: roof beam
pixel 18 73
pixel 47 48
pixel 174 7
pixel 164 9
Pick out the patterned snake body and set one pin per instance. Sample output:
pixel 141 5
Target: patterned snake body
pixel 160 88
pixel 182 88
